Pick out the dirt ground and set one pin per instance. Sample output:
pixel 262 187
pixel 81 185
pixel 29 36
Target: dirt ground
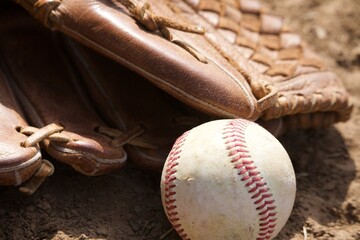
pixel 126 204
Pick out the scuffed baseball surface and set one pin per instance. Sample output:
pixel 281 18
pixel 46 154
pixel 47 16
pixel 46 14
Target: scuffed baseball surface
pixel 228 179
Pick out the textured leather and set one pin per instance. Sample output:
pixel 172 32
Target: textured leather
pixel 17 163
pixel 47 87
pixel 247 64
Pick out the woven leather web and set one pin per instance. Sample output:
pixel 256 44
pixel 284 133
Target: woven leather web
pixel 261 36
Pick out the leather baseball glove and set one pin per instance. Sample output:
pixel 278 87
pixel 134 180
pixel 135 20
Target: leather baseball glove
pixel 227 58
pixel 221 59
pixel 81 108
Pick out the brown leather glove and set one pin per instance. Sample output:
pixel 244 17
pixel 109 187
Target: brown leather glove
pixel 183 62
pixel 87 111
pixel 82 108
pixel 226 58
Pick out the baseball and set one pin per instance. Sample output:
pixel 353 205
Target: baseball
pixel 228 179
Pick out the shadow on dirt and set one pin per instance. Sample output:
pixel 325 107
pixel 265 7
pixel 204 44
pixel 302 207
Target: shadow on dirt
pixel 324 172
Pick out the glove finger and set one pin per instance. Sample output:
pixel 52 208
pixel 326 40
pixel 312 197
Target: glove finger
pixel 17 163
pixel 47 86
pixel 309 93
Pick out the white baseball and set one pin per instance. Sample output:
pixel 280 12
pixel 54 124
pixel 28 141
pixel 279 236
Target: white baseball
pixel 228 179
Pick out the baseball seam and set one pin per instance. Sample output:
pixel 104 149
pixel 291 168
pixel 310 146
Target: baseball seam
pixel 234 136
pixel 169 186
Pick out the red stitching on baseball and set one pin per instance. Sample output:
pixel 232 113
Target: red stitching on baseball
pixel 267 216
pixel 236 144
pixel 170 200
pixel 256 181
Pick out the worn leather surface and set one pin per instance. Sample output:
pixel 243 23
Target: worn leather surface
pixel 17 163
pixel 46 84
pixel 255 66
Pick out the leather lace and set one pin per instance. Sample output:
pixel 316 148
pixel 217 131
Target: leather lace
pixel 131 137
pixel 36 135
pixel 143 12
pixel 45 170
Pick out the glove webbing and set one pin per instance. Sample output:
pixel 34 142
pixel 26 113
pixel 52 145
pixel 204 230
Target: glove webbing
pixel 144 14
